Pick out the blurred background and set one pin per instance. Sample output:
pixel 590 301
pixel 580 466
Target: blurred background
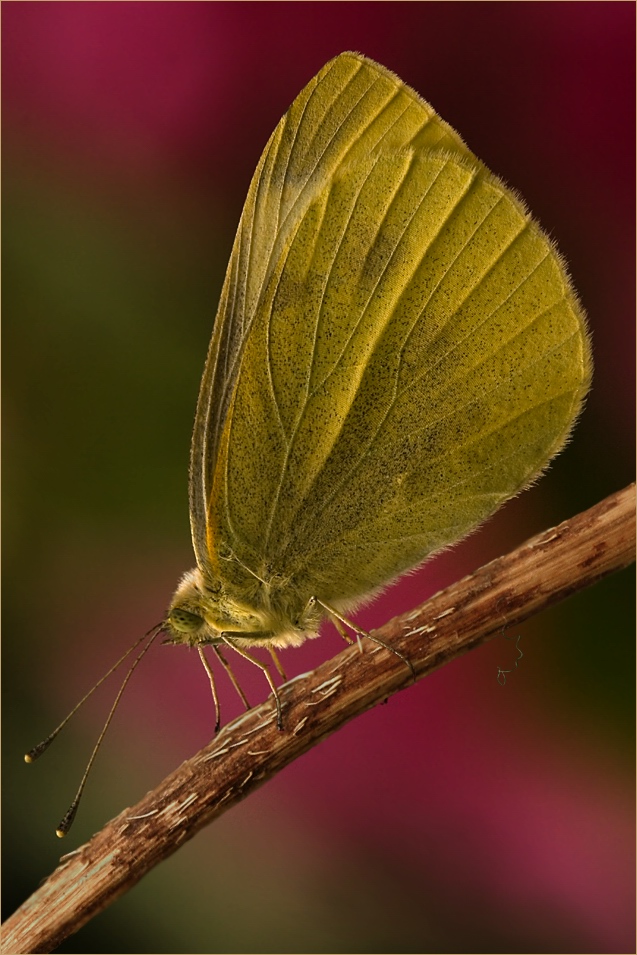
pixel 464 816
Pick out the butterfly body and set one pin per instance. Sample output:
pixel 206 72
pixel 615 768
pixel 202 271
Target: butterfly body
pixel 259 614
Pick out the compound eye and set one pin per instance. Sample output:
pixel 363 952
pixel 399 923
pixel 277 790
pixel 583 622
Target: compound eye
pixel 184 621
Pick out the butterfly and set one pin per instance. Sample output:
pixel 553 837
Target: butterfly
pixel 397 351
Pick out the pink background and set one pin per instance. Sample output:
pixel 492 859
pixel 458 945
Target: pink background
pixel 462 816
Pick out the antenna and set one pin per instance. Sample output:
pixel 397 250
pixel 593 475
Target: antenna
pixel 37 751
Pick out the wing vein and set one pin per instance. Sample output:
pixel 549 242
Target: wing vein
pixel 367 448
pixel 389 263
pixel 474 368
pixel 303 406
pixel 493 391
pixel 363 312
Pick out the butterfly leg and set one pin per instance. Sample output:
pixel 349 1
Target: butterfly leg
pixel 266 673
pixel 346 637
pixel 335 615
pixel 277 663
pixel 224 663
pixel 213 687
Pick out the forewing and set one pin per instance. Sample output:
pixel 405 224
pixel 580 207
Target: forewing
pixel 416 357
pixel 352 109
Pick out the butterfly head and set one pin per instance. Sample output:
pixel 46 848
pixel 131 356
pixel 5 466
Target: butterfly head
pixel 201 612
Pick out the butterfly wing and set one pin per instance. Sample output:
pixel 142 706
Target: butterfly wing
pixel 351 108
pixel 412 356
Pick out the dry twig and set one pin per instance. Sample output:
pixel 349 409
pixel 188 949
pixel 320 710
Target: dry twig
pixel 250 750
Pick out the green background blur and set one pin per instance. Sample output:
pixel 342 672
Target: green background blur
pixel 464 816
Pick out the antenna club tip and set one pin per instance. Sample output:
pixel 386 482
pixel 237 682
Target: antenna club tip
pixel 28 758
pixel 60 833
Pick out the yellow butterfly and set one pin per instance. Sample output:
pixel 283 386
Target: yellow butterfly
pixel 398 350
